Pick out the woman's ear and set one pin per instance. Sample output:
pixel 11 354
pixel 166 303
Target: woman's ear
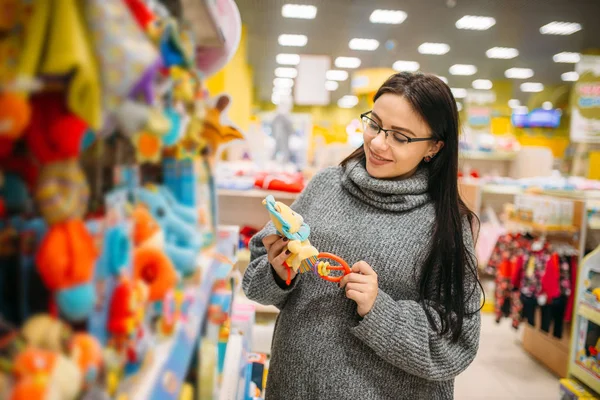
pixel 436 147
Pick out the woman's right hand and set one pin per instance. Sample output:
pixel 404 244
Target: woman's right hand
pixel 277 253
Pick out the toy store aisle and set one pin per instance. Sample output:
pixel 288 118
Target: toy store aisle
pixel 502 370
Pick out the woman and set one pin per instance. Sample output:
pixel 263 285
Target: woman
pixel 406 322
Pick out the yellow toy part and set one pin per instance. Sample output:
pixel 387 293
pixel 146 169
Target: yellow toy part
pixel 215 133
pixel 148 146
pixel 596 292
pixel 45 332
pixel 184 85
pixel 300 252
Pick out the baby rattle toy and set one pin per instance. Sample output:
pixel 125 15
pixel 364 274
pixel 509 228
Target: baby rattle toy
pixel 304 257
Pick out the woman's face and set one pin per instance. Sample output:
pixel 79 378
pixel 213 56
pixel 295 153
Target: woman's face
pixel 391 111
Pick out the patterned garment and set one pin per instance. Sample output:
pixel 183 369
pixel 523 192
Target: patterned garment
pixel 508 246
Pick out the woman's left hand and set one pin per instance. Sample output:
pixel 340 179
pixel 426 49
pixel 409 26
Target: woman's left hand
pixel 361 286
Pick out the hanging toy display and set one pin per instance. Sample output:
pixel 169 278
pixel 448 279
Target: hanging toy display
pixel 304 257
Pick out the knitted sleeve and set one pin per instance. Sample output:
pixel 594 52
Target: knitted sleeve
pixel 260 282
pixel 399 332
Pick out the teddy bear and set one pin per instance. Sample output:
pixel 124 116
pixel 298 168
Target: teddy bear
pixel 291 225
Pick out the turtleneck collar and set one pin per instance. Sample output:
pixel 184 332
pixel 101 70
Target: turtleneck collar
pixel 387 194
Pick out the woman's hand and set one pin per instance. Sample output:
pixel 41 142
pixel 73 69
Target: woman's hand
pixel 277 253
pixel 361 286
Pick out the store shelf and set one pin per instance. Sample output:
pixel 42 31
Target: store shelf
pixel 588 312
pixel 170 359
pixel 257 193
pixel 509 190
pixel 585 376
pixel 487 156
pixel 545 228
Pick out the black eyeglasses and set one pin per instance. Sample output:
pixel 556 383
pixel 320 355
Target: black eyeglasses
pixel 393 137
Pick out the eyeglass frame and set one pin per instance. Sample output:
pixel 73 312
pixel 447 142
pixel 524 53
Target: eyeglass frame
pixel 386 131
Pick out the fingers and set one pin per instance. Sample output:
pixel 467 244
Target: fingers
pixel 268 241
pixel 353 277
pixel 280 259
pixel 357 287
pixel 355 295
pixel 362 267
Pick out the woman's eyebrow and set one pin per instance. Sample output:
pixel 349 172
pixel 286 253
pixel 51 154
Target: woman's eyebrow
pixel 397 128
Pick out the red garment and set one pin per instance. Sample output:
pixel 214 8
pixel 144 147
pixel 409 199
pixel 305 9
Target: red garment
pixel 571 300
pixel 517 272
pixel 292 184
pixel 551 279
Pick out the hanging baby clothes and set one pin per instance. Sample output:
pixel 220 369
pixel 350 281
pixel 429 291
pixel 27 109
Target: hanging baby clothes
pixel 557 275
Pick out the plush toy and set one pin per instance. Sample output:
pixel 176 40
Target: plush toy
pixel 45 332
pixel 116 252
pixel 214 132
pixel 66 261
pixel 86 352
pixel 304 257
pixel 183 242
pixel 15 115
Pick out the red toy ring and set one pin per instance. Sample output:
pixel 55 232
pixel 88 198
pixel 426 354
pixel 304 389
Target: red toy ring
pixel 343 267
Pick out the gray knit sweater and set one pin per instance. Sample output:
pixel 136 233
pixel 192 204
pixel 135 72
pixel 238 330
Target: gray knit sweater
pixel 322 349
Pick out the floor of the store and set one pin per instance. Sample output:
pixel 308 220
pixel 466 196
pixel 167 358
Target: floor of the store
pixel 502 369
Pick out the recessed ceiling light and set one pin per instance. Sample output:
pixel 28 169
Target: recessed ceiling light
pixel 287 59
pixel 406 66
pixel 286 72
pixel 363 44
pixel 514 103
pixel 459 93
pixel 434 48
pixel 560 28
pixel 482 84
pixel 348 101
pixel 547 105
pixel 463 69
pixel 518 73
pixel 387 17
pixel 331 85
pixel 283 82
pixel 336 75
pixel 532 87
pixel 282 91
pixel 570 76
pixel 347 62
pixel 459 106
pixel 476 23
pixel 505 53
pixel 300 11
pixel 293 40
pixel 443 79
pixel 567 57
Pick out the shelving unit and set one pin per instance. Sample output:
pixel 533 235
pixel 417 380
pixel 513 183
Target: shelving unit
pixel 244 207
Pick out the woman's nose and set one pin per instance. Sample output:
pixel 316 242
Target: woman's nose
pixel 379 141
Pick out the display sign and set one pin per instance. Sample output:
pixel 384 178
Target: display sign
pixel 585 102
pixel 538 118
pixel 309 87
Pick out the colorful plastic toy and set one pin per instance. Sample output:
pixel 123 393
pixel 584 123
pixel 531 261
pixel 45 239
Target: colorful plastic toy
pixel 86 352
pixel 304 256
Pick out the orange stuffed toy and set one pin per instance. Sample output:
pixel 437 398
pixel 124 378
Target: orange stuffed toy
pixel 215 133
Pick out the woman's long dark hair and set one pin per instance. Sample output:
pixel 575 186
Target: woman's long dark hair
pixel 442 280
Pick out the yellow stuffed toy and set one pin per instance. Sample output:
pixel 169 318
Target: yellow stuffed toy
pixel 214 132
pixel 291 225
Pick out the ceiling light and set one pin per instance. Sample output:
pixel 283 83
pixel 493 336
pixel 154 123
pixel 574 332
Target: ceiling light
pixel 347 101
pixel 283 82
pixel 459 93
pixel 514 103
pixel 282 91
pixel 406 66
pixel 532 87
pixel 560 28
pixel 567 57
pixel 387 17
pixel 347 62
pixel 463 69
pixel 336 75
pixel 570 76
pixel 505 53
pixel 286 72
pixel 459 106
pixel 363 44
pixel 443 79
pixel 331 85
pixel 300 11
pixel 434 48
pixel 482 84
pixel 518 73
pixel 293 40
pixel 288 59
pixel 275 98
pixel 475 23
pixel 547 105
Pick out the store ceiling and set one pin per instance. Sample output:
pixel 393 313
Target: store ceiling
pixel 338 21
